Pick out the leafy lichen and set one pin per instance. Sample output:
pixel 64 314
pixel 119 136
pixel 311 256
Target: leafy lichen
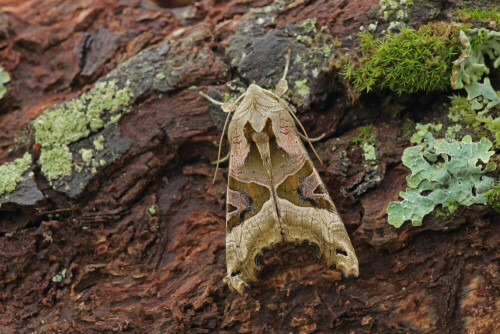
pixel 4 78
pixel 11 173
pixel 470 66
pixel 408 62
pixel 478 108
pixel 443 172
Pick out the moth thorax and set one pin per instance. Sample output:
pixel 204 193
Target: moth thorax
pixel 250 131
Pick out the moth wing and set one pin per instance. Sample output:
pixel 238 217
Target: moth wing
pixel 251 218
pixel 306 209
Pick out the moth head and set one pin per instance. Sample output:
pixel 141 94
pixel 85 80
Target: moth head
pixel 253 88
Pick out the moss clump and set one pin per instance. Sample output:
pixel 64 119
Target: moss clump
pixel 364 136
pixel 11 173
pixel 64 124
pixel 408 62
pixel 56 162
pixel 4 78
pixel 484 16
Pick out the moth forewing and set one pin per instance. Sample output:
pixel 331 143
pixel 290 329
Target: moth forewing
pixel 274 191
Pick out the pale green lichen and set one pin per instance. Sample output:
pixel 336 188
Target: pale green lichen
pixel 59 277
pixel 152 210
pixel 452 131
pixel 302 89
pixel 11 173
pixel 56 162
pixel 470 66
pixel 443 172
pixel 98 143
pixel 4 78
pixel 369 152
pixel 309 25
pixel 64 124
pixel 478 108
pixel 483 90
pixel 309 28
pixel 398 9
pixel 86 155
pixel 425 132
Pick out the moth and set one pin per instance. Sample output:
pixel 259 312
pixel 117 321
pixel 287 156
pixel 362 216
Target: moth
pixel 274 192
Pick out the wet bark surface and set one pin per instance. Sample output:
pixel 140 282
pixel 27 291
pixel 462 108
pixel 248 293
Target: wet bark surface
pixel 142 243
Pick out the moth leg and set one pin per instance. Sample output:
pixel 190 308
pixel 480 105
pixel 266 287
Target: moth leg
pixel 282 85
pixel 312 140
pixel 226 158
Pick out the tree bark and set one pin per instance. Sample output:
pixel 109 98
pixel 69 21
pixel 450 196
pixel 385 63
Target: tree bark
pixel 138 244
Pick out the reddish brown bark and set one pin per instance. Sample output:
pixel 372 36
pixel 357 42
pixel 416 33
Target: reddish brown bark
pixel 132 271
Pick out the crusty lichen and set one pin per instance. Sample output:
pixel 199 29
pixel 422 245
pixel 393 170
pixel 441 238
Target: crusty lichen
pixel 64 124
pixel 11 173
pixel 56 162
pixel 394 9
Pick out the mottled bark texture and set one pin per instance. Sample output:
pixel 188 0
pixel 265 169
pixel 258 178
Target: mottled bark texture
pixel 138 244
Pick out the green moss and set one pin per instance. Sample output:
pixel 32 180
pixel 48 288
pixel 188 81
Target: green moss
pixel 152 210
pixel 364 136
pixel 494 196
pixel 64 124
pixel 484 16
pixel 4 78
pixel 443 172
pixel 56 162
pixel 11 173
pixel 408 62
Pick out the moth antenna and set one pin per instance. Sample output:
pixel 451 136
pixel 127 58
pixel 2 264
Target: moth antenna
pixel 210 99
pixel 220 144
pixel 288 56
pixel 300 124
